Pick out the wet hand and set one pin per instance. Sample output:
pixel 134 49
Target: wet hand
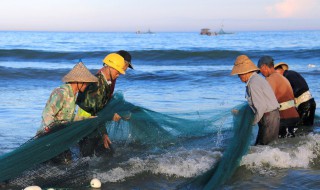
pixel 234 111
pixel 106 141
pixel 116 117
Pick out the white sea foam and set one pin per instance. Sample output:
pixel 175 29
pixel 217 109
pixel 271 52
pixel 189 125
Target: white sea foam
pixel 182 163
pixel 301 155
pixel 311 65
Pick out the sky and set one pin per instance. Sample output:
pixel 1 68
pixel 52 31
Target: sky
pixel 159 15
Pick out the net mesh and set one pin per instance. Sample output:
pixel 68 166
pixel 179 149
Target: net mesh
pixel 28 163
pixel 237 147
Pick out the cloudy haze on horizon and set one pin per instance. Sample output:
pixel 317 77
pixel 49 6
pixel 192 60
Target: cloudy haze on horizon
pixel 159 15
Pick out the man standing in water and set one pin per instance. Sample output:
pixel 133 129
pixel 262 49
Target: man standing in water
pixel 303 99
pixel 97 95
pixel 289 116
pixel 60 107
pixel 260 98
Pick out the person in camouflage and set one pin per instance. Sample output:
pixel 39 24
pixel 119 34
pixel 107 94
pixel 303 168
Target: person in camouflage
pixel 60 107
pixel 96 96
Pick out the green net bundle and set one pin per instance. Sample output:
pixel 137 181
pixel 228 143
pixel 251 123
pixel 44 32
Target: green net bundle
pixel 141 126
pixel 237 147
pixel 144 126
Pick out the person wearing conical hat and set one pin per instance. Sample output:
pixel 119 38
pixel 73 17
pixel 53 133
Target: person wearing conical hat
pixel 60 106
pixel 281 87
pixel 96 96
pixel 304 101
pixel 260 98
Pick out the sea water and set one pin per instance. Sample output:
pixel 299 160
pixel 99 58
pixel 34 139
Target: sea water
pixel 181 74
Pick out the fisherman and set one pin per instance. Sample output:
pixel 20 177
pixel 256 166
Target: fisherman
pixel 260 98
pixel 60 107
pixel 96 96
pixel 304 101
pixel 289 116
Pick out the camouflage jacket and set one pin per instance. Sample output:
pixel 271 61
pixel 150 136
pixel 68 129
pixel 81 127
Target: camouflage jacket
pixel 60 107
pixel 96 95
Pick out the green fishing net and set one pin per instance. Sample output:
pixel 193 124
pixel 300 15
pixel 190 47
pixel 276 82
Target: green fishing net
pixel 237 147
pixel 141 126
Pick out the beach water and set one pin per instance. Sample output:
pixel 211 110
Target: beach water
pixel 184 75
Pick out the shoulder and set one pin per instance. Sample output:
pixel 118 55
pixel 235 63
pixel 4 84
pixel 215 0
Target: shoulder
pixel 276 77
pixel 281 81
pixel 290 73
pixel 60 91
pixel 257 80
pixel 101 79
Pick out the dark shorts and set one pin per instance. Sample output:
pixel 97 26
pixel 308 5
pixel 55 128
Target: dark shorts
pixel 287 127
pixel 63 158
pixel 268 128
pixel 91 146
pixel 94 145
pixel 306 112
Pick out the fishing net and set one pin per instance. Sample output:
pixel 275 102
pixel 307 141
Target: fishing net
pixel 29 162
pixel 237 147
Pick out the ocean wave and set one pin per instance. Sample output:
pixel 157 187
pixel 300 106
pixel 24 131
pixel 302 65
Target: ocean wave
pixel 182 163
pixel 156 56
pixel 302 152
pixel 145 55
pixel 39 55
pixel 153 74
pixel 8 73
pixel 55 71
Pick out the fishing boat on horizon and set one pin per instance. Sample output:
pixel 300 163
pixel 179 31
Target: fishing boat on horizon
pixel 206 31
pixel 147 32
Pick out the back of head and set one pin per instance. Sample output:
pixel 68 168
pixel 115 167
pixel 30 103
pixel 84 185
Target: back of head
pixel 126 56
pixel 266 60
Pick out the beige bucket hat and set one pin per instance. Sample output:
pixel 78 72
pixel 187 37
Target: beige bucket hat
pixel 283 65
pixel 79 73
pixel 243 65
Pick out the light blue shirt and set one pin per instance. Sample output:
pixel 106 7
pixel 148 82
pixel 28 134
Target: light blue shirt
pixel 260 96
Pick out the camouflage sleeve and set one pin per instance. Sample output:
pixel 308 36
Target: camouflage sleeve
pixel 53 106
pixel 87 100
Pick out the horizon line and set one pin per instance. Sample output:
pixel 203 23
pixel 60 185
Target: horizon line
pixel 75 31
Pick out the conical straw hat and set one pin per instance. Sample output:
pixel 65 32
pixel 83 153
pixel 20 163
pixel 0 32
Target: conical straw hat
pixel 79 73
pixel 243 65
pixel 283 65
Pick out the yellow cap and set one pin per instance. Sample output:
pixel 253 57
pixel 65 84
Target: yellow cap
pixel 116 61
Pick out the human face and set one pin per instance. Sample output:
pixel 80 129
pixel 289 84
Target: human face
pixel 82 86
pixel 114 73
pixel 264 70
pixel 244 77
pixel 126 66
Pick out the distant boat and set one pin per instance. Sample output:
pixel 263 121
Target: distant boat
pixel 221 32
pixel 206 31
pixel 148 32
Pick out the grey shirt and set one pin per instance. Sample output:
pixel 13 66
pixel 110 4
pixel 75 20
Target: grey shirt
pixel 260 96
